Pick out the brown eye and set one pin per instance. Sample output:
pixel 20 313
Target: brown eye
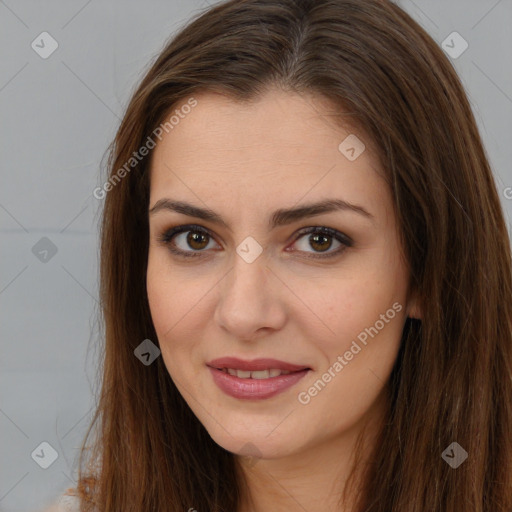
pixel 193 241
pixel 320 239
pixel 187 241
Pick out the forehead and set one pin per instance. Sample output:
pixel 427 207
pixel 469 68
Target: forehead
pixel 282 145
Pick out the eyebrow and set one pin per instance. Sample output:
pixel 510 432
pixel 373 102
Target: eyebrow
pixel 281 217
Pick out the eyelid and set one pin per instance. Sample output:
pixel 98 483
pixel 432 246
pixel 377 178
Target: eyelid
pixel 168 235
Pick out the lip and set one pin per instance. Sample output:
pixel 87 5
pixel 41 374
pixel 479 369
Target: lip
pixel 255 389
pixel 255 364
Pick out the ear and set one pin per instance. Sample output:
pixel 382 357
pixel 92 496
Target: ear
pixel 414 309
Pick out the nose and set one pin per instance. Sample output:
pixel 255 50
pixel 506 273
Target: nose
pixel 250 300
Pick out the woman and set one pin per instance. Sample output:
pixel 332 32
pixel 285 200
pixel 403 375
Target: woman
pixel 246 370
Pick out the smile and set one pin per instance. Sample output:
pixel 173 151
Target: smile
pixel 259 374
pixel 254 385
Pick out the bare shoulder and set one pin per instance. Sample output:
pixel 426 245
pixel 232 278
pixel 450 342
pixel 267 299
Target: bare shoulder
pixel 67 502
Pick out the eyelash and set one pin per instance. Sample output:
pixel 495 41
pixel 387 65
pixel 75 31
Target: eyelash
pixel 167 236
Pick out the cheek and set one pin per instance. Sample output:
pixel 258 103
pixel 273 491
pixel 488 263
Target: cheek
pixel 371 331
pixel 367 319
pixel 162 297
pixel 177 302
pixel 171 294
pixel 344 307
pixel 166 304
pixel 364 315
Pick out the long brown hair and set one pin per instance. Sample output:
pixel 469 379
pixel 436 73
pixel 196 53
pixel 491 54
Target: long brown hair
pixel 452 381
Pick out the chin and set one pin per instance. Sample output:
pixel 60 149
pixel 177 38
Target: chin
pixel 259 442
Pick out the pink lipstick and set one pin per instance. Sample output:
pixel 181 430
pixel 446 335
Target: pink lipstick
pixel 256 379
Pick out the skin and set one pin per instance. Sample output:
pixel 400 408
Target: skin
pixel 244 161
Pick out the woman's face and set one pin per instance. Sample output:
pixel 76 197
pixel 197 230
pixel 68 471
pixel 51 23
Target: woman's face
pixel 252 282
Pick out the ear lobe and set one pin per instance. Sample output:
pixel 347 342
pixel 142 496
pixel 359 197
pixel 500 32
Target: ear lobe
pixel 414 307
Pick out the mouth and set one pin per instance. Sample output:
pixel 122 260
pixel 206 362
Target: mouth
pixel 257 379
pixel 262 368
pixel 257 374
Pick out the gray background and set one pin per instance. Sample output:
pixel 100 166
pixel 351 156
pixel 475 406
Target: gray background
pixel 58 116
